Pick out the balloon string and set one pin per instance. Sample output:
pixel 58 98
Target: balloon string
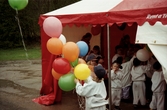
pixel 22 38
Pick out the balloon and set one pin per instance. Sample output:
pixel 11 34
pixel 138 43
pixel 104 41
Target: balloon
pixel 66 82
pixel 56 75
pixel 80 60
pixel 142 55
pixel 61 65
pixel 70 51
pixel 96 30
pixel 62 38
pixel 54 46
pixel 82 71
pixel 74 63
pixel 83 48
pixel 18 4
pixel 52 27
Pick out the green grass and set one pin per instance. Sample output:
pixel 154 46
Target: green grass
pixel 20 54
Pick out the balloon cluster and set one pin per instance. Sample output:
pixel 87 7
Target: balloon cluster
pixel 69 62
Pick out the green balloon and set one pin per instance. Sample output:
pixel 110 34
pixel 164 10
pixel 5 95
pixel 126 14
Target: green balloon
pixel 18 4
pixel 66 82
pixel 74 63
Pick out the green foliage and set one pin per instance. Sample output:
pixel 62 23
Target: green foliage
pixel 20 54
pixel 10 34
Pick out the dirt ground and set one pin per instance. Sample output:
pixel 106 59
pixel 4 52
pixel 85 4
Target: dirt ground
pixel 20 82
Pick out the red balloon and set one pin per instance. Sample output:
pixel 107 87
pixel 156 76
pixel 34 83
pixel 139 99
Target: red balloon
pixel 96 30
pixel 61 65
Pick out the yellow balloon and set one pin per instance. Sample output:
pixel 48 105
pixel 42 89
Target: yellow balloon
pixel 82 71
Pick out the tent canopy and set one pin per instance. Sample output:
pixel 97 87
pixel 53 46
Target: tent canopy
pixel 102 12
pixel 147 34
pixel 94 12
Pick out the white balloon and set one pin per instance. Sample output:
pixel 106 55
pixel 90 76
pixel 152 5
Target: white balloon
pixel 142 55
pixel 62 38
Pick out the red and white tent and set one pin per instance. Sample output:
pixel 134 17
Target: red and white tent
pixel 101 12
pixel 97 12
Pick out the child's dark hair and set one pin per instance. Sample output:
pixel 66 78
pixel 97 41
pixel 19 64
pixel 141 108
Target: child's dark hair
pixel 118 47
pixel 136 62
pixel 96 47
pixel 118 61
pixel 157 65
pixel 98 58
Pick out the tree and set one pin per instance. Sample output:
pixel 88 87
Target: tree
pixel 28 17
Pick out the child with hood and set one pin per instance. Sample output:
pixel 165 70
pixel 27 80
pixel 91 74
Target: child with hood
pixel 93 90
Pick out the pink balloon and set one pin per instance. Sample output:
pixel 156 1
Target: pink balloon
pixel 61 65
pixel 142 55
pixel 52 27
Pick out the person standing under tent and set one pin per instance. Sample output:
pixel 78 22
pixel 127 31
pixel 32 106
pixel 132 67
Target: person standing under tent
pixel 86 38
pixel 93 90
pixel 116 84
pixel 126 80
pixel 148 82
pixel 138 77
pixel 158 88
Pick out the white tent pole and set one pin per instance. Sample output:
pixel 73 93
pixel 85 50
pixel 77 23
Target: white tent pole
pixel 109 67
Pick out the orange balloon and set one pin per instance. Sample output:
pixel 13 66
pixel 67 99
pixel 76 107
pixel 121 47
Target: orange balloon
pixel 70 51
pixel 54 46
pixel 80 60
pixel 56 75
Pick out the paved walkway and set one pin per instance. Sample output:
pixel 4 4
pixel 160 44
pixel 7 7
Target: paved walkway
pixel 20 82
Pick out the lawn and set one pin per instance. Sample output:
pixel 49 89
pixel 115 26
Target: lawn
pixel 20 54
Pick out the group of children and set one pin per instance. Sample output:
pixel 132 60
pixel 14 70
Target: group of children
pixel 126 75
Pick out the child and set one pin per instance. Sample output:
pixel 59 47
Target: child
pixel 158 88
pixel 138 77
pixel 126 80
pixel 94 90
pixel 93 53
pixel 116 85
pixel 118 53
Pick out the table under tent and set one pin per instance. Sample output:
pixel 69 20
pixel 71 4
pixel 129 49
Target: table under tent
pixel 138 17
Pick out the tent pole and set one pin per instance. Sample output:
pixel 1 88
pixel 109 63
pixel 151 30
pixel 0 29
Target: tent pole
pixel 109 67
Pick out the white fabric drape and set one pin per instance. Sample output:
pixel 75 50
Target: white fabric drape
pixel 156 38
